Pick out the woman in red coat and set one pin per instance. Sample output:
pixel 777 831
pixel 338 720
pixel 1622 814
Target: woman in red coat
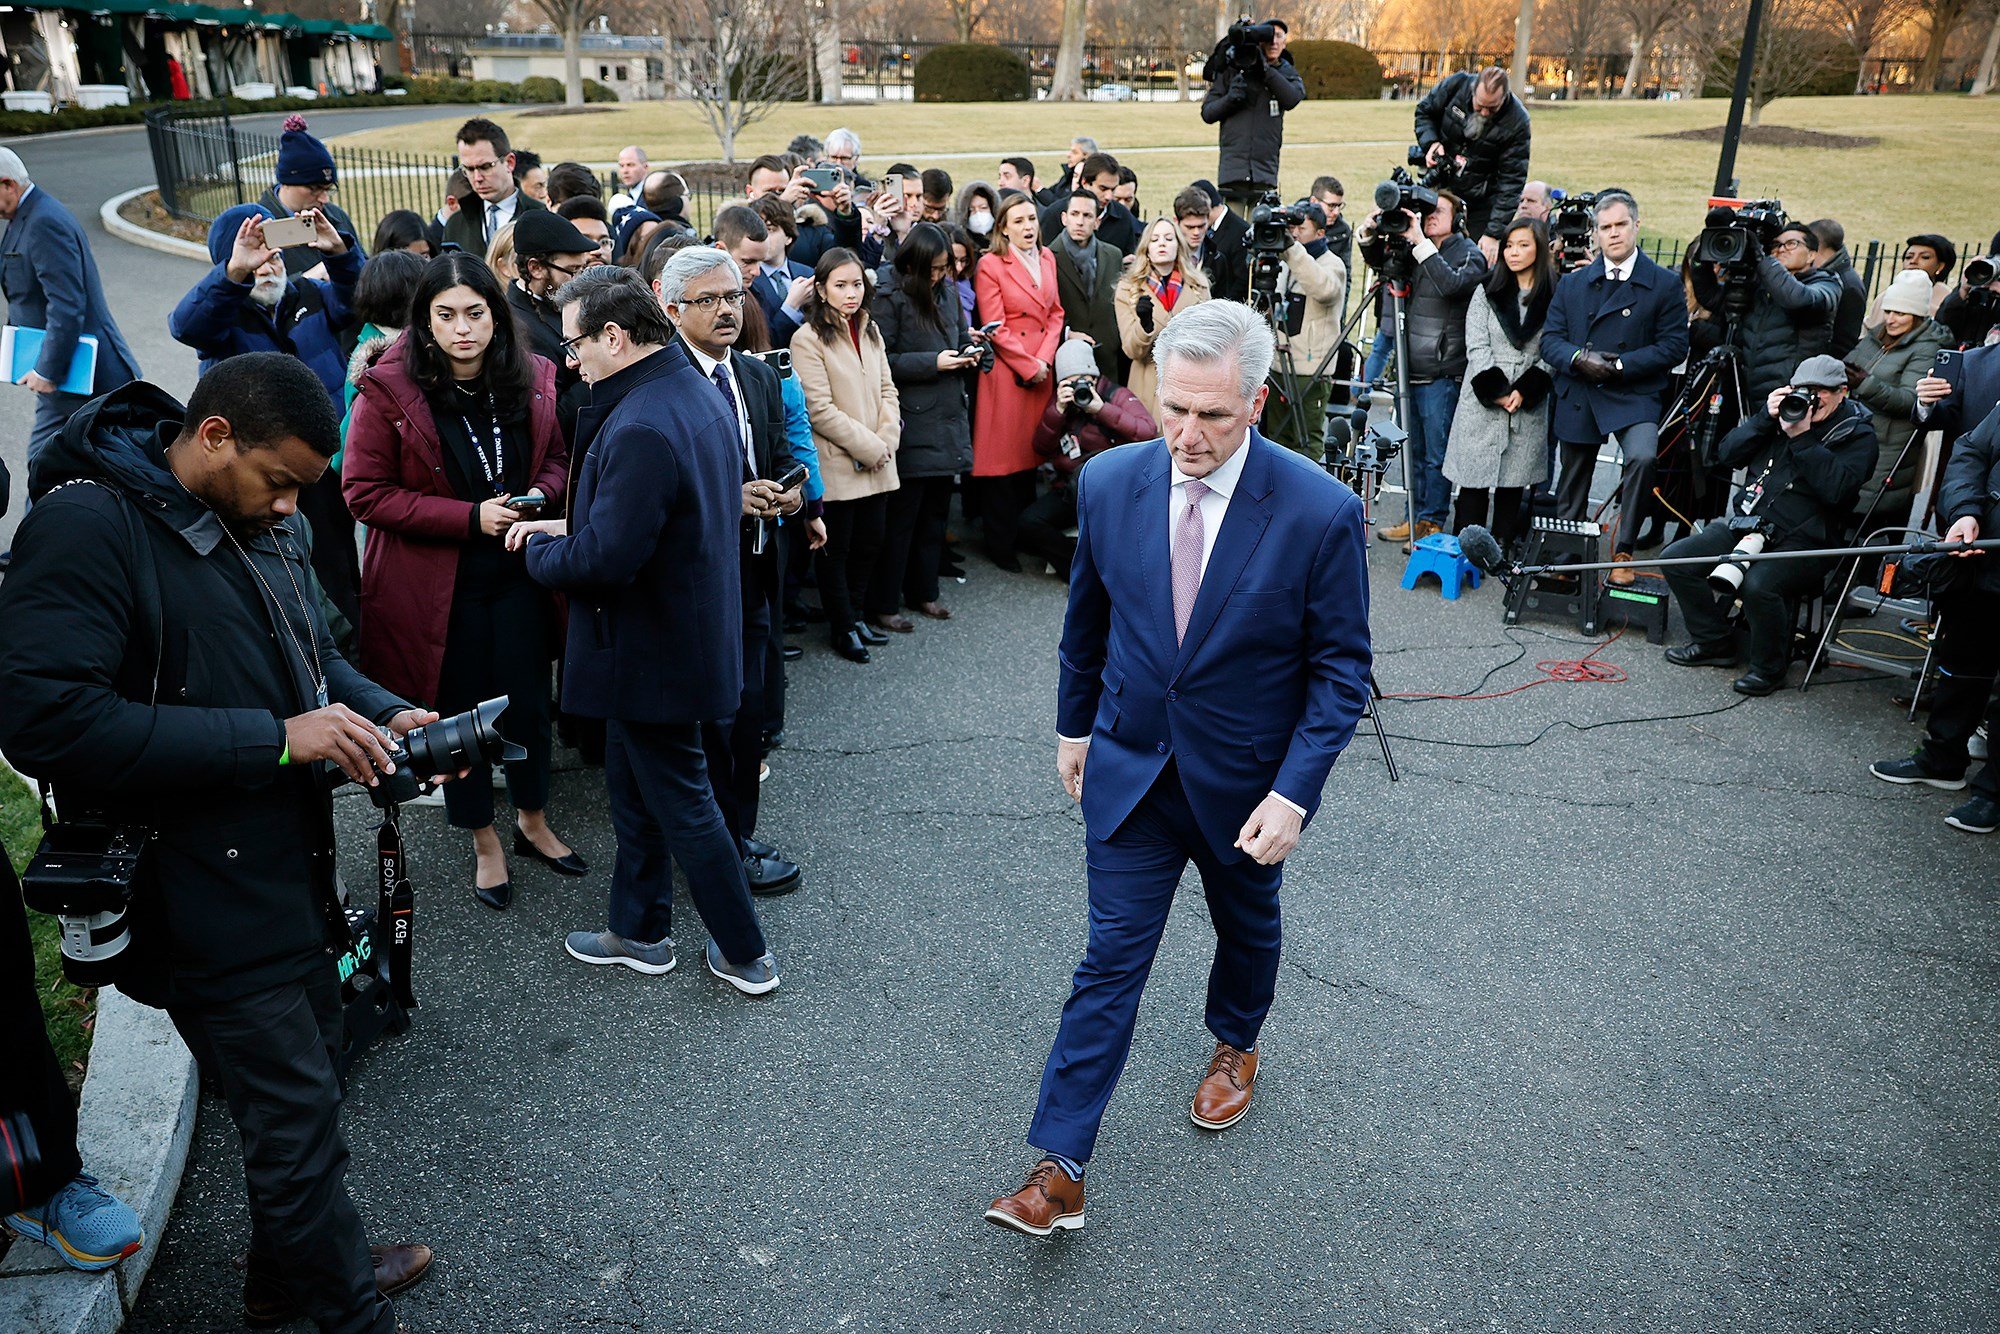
pixel 451 428
pixel 1016 284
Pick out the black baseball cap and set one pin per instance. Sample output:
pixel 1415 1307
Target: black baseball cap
pixel 541 233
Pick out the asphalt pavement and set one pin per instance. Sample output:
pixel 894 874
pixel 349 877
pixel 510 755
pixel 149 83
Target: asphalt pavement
pixel 1632 1006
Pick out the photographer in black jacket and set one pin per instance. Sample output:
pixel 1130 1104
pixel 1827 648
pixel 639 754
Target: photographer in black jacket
pixel 163 660
pixel 1251 85
pixel 1805 471
pixel 1475 121
pixel 1793 307
pixel 1968 645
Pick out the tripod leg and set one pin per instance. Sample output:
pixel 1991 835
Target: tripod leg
pixel 1374 715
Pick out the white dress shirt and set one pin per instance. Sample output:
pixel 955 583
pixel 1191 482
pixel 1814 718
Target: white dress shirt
pixel 1214 506
pixel 499 213
pixel 1622 270
pixel 708 365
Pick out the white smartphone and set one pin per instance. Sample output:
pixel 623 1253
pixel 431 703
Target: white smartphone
pixel 282 232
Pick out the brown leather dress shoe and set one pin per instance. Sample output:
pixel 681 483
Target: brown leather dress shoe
pixel 267 1302
pixel 895 622
pixel 937 611
pixel 1048 1203
pixel 1224 1095
pixel 1623 577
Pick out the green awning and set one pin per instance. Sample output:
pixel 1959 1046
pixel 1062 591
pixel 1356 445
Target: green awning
pixel 373 32
pixel 321 27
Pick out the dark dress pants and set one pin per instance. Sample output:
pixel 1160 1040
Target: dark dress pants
pixel 912 546
pixel 335 558
pixel 1133 877
pixel 1505 502
pixel 1640 445
pixel 663 812
pixel 1045 527
pixel 1001 500
pixel 498 642
pixel 274 1053
pixel 1968 655
pixel 734 747
pixel 847 561
pixel 1768 589
pixel 34 1079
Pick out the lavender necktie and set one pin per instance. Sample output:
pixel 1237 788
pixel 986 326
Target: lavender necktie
pixel 1187 558
pixel 721 378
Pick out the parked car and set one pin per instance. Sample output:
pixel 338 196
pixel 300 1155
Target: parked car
pixel 1113 92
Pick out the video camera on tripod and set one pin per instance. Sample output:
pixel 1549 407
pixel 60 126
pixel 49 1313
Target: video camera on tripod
pixel 1572 223
pixel 1402 200
pixel 1735 236
pixel 1271 226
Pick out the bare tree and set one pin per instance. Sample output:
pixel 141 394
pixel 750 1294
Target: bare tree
pixel 1647 20
pixel 1574 24
pixel 967 15
pixel 569 16
pixel 1702 30
pixel 1940 19
pixel 1066 84
pixel 1865 22
pixel 737 59
pixel 1983 83
pixel 1524 41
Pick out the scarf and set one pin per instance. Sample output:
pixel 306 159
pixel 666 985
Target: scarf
pixel 1166 290
pixel 1084 257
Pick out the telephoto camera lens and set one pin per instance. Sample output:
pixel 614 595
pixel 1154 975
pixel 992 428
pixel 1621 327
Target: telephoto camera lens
pixel 451 744
pixel 1795 406
pixel 1727 578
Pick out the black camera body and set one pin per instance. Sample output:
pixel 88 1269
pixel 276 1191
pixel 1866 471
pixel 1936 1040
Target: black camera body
pixel 1796 405
pixel 1271 226
pixel 1737 237
pixel 84 874
pixel 1242 47
pixel 1083 394
pixel 1401 200
pixel 444 747
pixel 1570 228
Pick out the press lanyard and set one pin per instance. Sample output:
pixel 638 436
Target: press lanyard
pixel 496 467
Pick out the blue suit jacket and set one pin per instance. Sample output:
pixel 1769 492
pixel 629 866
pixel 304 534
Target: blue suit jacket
pixel 1265 689
pixel 51 283
pixel 650 563
pixel 1975 389
pixel 1645 324
pixel 770 293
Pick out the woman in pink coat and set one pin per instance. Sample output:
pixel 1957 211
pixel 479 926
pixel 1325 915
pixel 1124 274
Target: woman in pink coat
pixel 1016 284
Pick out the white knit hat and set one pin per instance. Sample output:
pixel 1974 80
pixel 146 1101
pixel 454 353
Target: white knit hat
pixel 1910 293
pixel 1075 357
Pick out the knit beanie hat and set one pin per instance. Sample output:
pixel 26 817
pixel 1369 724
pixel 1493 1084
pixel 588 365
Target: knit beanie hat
pixel 1909 292
pixel 302 159
pixel 1075 357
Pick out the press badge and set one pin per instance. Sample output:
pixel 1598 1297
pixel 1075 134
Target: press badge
pixel 1274 108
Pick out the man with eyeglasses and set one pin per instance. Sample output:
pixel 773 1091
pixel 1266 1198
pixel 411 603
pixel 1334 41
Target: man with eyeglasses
pixel 1331 196
pixel 306 180
pixel 487 160
pixel 843 149
pixel 1791 313
pixel 549 250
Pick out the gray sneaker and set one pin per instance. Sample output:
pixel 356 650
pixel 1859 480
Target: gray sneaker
pixel 752 979
pixel 604 947
pixel 1979 747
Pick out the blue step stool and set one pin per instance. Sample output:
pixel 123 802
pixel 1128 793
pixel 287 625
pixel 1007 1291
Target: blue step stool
pixel 1438 554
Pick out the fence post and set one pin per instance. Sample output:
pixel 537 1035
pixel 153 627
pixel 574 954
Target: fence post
pixel 1868 271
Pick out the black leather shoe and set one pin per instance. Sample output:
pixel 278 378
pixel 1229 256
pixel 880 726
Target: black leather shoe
pixel 497 897
pixel 1006 561
pixel 1755 683
pixel 869 634
pixel 570 863
pixel 1701 655
pixel 850 647
pixel 771 876
pixel 757 847
pixel 793 652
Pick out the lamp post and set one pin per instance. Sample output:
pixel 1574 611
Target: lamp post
pixel 1746 64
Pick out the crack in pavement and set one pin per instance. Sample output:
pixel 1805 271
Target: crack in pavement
pixel 1348 988
pixel 898 747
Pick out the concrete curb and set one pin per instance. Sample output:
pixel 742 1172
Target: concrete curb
pixel 126 230
pixel 134 1126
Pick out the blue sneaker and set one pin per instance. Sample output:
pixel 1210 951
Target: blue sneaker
pixel 605 947
pixel 752 979
pixel 85 1224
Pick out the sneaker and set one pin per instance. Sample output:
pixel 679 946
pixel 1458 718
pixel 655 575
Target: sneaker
pixel 1977 815
pixel 1977 748
pixel 603 947
pixel 88 1226
pixel 1912 770
pixel 752 979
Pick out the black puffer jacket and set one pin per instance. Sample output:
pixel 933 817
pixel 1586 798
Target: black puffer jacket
pixel 1970 488
pixel 1790 318
pixel 937 426
pixel 146 673
pixel 1250 108
pixel 1810 482
pixel 1853 308
pixel 1435 313
pixel 1496 163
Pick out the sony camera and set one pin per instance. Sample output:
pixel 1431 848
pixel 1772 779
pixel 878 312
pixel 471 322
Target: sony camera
pixel 1736 234
pixel 1979 273
pixel 446 746
pixel 1446 175
pixel 1571 225
pixel 1271 226
pixel 1796 406
pixel 83 875
pixel 1243 46
pixel 1727 577
pixel 1402 200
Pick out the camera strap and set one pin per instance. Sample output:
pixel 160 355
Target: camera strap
pixel 396 904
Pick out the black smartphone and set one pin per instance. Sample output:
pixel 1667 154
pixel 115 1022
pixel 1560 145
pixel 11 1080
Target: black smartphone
pixel 822 179
pixel 793 478
pixel 1947 359
pixel 531 503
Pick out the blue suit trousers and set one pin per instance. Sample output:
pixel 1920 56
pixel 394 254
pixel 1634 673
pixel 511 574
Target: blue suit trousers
pixel 1133 877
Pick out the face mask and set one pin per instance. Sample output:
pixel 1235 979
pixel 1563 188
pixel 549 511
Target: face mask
pixel 268 292
pixel 979 224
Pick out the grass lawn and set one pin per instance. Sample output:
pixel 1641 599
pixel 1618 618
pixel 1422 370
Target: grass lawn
pixel 1896 186
pixel 69 1012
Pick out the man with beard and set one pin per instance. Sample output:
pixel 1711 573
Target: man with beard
pixel 1472 120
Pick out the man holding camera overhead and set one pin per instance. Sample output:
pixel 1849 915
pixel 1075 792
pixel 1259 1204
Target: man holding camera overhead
pixel 1616 329
pixel 1252 83
pixel 1807 449
pixel 164 664
pixel 1475 122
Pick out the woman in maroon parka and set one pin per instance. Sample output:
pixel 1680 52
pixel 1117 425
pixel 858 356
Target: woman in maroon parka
pixel 451 429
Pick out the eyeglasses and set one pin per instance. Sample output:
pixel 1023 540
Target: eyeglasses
pixel 322 192
pixel 705 304
pixel 564 270
pixel 1789 243
pixel 569 345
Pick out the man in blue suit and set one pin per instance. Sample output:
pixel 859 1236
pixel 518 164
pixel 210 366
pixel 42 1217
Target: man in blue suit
pixel 50 280
pixel 648 556
pixel 1615 331
pixel 1214 663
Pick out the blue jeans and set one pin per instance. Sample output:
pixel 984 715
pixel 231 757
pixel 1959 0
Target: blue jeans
pixel 1434 404
pixel 1377 362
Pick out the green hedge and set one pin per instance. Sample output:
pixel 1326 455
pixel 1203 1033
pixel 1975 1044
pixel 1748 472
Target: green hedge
pixel 541 88
pixel 1337 70
pixel 970 73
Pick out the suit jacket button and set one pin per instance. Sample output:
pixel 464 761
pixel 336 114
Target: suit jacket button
pixel 1173 695
pixel 1162 748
